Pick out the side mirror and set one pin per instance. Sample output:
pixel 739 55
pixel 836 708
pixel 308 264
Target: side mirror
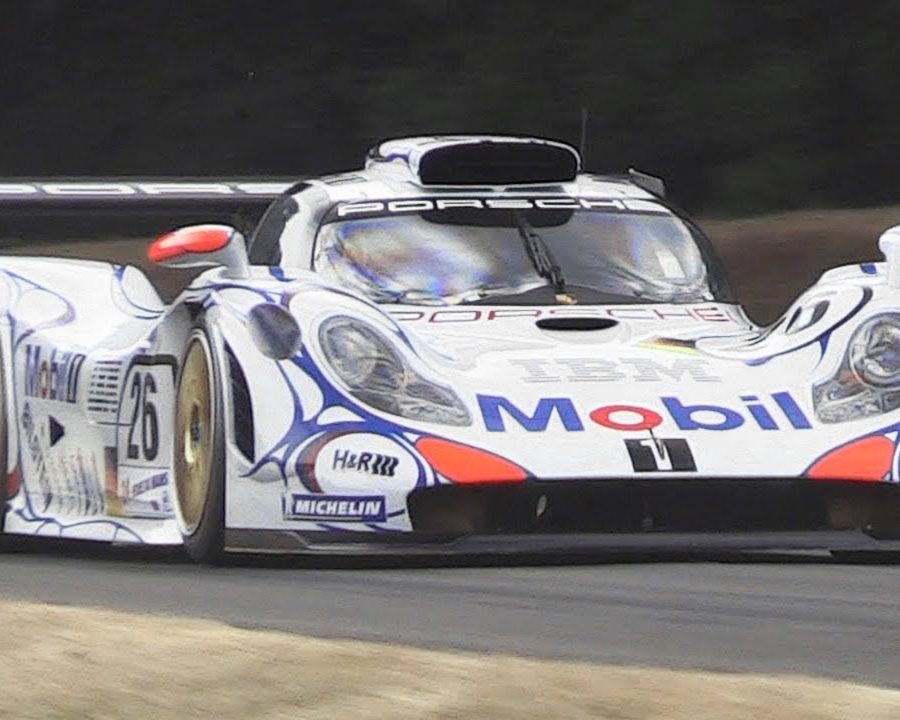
pixel 889 244
pixel 202 245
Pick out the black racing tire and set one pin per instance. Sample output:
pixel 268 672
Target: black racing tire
pixel 198 464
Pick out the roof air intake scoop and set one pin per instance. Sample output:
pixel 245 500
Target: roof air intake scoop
pixel 481 160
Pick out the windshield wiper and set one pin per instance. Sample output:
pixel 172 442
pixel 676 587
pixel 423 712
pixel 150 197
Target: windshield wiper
pixel 543 260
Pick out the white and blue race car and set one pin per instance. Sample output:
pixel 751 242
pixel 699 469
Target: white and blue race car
pixel 469 346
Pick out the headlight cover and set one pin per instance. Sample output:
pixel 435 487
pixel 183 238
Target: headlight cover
pixel 868 380
pixel 377 375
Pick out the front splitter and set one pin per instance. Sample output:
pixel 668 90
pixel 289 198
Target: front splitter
pixel 409 545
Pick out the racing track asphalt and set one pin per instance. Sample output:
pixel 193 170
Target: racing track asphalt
pixel 804 616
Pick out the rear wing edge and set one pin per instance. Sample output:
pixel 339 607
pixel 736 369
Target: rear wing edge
pixel 85 207
pixel 126 191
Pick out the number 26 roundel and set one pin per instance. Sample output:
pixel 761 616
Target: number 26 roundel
pixel 142 438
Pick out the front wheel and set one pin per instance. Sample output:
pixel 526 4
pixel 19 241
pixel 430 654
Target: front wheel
pixel 199 466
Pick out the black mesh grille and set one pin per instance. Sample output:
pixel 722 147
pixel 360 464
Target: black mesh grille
pixel 243 410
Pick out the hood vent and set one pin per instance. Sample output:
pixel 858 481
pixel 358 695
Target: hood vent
pixel 580 324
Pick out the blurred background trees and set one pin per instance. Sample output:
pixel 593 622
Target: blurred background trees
pixel 741 106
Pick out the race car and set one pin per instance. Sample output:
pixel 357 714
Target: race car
pixel 468 346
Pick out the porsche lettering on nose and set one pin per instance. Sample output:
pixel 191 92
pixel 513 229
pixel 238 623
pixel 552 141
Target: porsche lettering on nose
pixel 777 411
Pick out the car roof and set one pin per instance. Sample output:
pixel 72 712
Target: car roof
pixel 405 167
pixel 398 169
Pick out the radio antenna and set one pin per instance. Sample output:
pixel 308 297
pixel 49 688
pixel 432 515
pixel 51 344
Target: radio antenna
pixel 582 142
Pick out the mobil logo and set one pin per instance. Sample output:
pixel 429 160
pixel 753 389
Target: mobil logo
pixel 776 411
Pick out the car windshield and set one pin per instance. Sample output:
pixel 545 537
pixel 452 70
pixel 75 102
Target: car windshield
pixel 466 255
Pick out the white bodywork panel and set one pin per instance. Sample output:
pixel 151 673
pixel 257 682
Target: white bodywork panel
pixel 91 360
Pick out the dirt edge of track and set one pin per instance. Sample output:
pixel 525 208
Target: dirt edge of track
pixel 67 662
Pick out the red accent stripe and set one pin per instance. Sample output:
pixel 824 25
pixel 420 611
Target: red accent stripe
pixel 13 482
pixel 468 465
pixel 866 460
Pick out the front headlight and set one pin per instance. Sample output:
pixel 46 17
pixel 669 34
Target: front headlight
pixel 875 351
pixel 868 380
pixel 376 374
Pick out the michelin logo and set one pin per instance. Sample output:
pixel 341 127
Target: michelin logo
pixel 337 508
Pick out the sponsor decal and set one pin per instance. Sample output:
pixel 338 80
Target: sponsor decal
pixel 77 480
pixel 35 451
pixel 365 462
pixel 337 508
pixel 710 313
pixel 140 492
pixel 658 454
pixel 350 463
pixel 565 202
pixel 147 484
pixel 779 411
pixel 67 478
pixel 53 375
pixel 595 370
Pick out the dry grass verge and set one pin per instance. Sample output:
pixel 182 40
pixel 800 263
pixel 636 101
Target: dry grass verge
pixel 772 258
pixel 65 663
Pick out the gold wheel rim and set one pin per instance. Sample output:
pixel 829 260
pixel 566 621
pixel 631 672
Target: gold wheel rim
pixel 193 436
